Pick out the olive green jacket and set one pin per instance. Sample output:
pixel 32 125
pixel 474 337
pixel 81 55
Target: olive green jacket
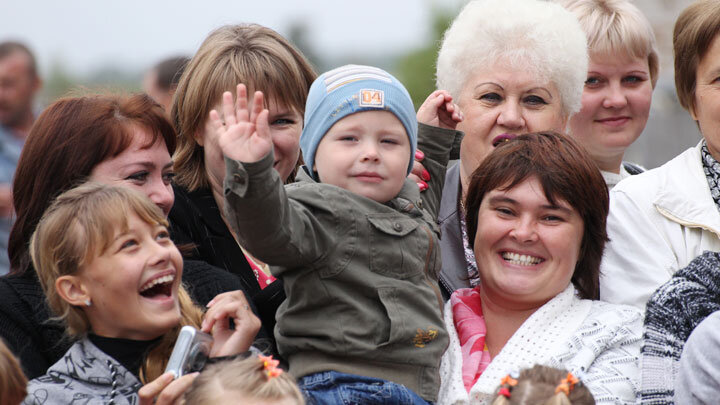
pixel 360 276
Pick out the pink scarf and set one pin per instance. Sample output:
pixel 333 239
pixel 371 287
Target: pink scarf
pixel 470 326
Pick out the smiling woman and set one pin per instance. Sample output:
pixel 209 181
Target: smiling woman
pixel 119 140
pixel 536 211
pixel 112 275
pixel 147 168
pixel 662 219
pixel 513 67
pixel 622 73
pixel 263 60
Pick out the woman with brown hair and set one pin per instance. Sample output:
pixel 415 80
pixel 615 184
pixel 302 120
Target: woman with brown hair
pixel 108 139
pixel 264 61
pixel 536 210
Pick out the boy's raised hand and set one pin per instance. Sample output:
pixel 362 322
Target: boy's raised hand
pixel 245 135
pixel 438 110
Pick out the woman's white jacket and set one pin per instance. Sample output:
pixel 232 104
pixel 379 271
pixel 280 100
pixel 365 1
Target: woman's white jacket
pixel 596 341
pixel 659 221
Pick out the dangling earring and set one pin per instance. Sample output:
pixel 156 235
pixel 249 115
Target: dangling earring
pixel 88 303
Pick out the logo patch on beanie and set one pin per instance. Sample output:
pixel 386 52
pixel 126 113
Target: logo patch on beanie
pixel 372 98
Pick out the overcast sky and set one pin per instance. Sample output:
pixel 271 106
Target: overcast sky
pixel 134 34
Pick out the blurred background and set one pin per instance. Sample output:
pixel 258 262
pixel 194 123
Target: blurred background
pixel 110 45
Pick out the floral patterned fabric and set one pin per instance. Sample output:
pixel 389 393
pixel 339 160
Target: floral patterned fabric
pixel 470 326
pixel 711 167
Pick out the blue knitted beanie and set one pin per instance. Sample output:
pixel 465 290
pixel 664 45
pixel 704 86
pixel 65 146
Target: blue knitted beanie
pixel 350 89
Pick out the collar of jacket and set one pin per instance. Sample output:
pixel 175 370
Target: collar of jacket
pixel 686 199
pixel 205 207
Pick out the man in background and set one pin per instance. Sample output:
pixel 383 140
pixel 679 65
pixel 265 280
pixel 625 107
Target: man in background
pixel 19 83
pixel 161 81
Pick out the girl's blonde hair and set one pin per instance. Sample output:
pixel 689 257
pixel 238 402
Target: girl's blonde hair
pixel 77 227
pixel 13 383
pixel 250 54
pixel 539 385
pixel 616 26
pixel 248 377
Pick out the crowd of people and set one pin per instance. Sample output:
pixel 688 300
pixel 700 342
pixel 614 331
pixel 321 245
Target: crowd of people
pixel 339 246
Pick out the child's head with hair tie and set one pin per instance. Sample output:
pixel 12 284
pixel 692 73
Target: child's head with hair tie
pixel 542 385
pixel 252 381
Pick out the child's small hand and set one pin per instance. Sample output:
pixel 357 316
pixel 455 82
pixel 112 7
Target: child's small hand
pixel 438 110
pixel 228 341
pixel 245 135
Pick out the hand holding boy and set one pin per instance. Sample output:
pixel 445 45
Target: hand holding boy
pixel 245 134
pixel 437 110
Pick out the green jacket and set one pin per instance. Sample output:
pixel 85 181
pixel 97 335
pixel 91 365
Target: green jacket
pixel 360 276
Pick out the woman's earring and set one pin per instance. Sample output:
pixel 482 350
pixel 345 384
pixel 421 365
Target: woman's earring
pixel 88 303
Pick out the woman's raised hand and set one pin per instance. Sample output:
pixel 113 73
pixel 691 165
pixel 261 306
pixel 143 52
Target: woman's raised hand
pixel 245 134
pixel 228 342
pixel 439 110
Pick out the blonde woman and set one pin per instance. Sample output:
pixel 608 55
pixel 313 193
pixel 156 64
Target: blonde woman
pixel 112 275
pixel 622 73
pixel 265 61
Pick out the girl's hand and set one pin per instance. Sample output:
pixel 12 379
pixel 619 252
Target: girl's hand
pixel 438 110
pixel 165 390
pixel 216 322
pixel 245 135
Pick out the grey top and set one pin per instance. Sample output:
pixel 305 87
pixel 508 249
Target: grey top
pixel 698 380
pixel 84 375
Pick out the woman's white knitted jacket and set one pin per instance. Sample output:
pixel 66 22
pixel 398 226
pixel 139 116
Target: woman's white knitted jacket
pixel 596 341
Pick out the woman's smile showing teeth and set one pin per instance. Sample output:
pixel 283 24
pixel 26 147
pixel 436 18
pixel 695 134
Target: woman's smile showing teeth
pixel 526 245
pixel 158 286
pixel 521 260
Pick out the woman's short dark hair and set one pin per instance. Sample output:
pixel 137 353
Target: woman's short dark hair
pixel 70 138
pixel 566 172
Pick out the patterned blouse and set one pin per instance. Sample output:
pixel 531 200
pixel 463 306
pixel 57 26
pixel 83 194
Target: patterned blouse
pixel 711 167
pixel 473 276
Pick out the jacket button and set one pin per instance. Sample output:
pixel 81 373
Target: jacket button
pixel 239 179
pixel 397 227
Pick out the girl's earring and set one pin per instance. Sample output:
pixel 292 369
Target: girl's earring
pixel 88 303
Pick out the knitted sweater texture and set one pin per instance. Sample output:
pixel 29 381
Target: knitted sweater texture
pixel 673 311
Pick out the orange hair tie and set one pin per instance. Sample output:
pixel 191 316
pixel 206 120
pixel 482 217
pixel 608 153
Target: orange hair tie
pixel 508 380
pixel 567 384
pixel 506 384
pixel 270 366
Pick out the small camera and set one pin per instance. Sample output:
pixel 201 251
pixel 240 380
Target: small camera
pixel 190 353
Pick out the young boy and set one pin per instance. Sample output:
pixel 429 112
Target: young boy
pixel 354 241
